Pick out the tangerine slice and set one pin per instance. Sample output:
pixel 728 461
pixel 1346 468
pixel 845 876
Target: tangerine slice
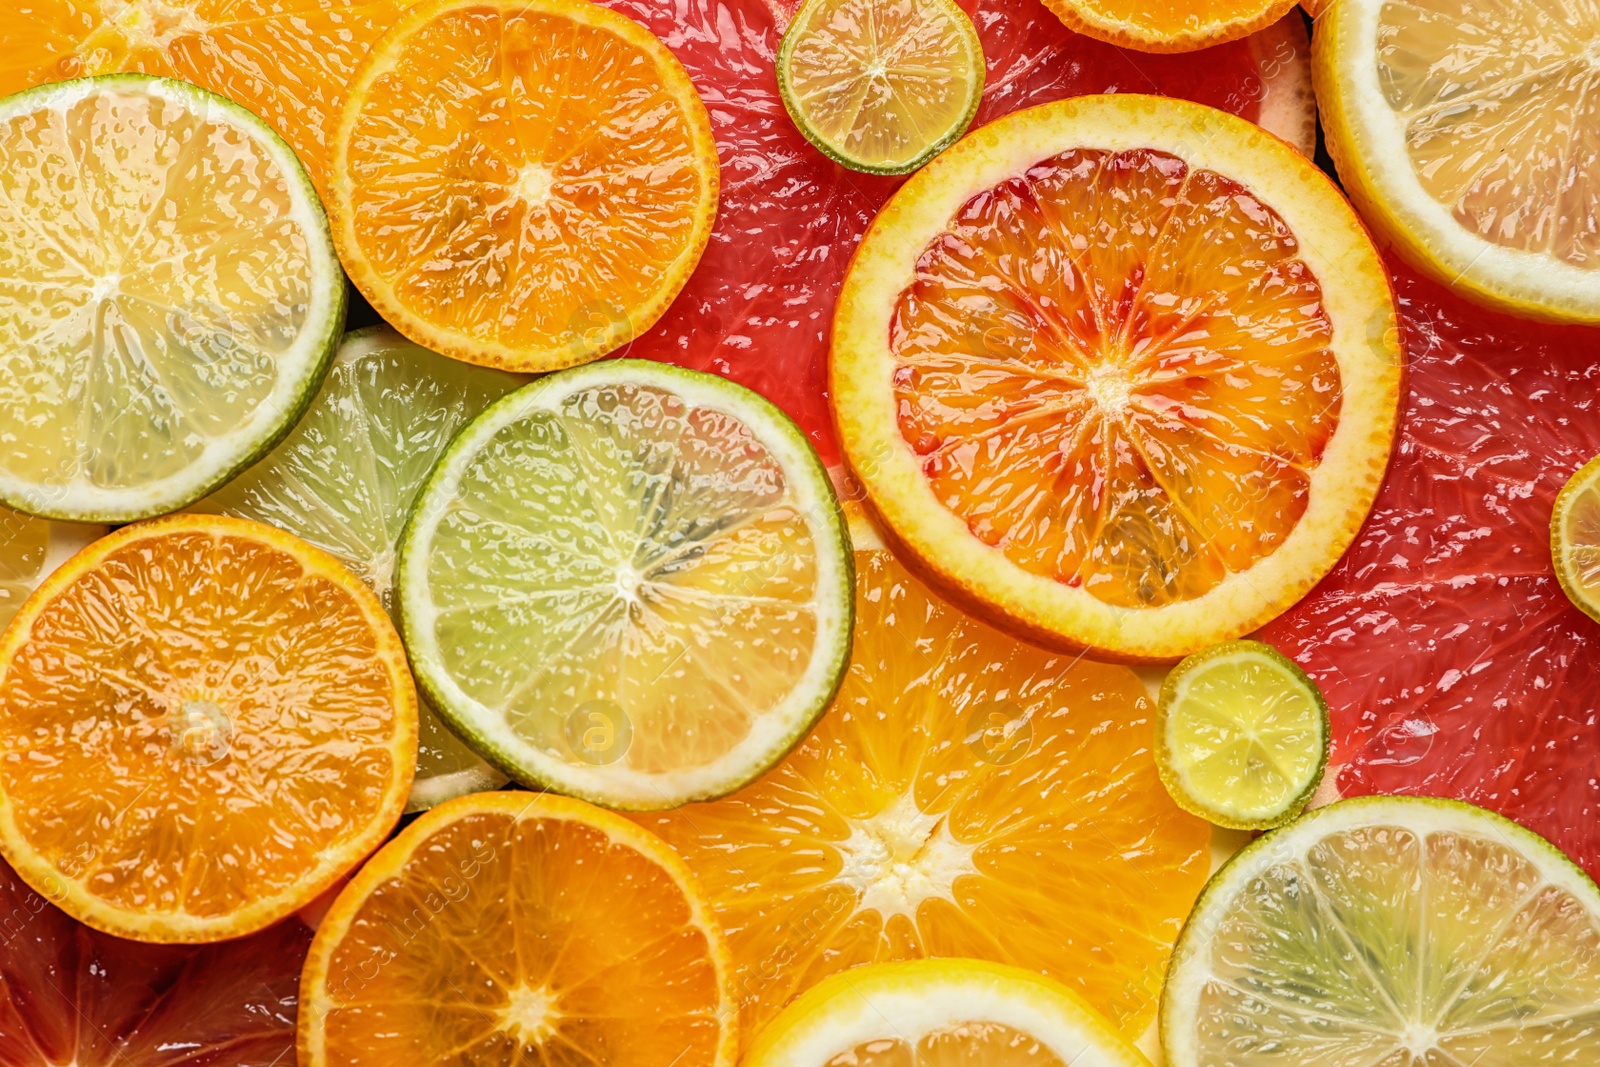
pixel 509 928
pixel 1169 26
pixel 1119 372
pixel 204 722
pixel 522 184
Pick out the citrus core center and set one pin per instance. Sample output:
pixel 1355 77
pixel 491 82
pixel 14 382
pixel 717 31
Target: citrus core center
pixel 901 857
pixel 533 184
pixel 1110 386
pixel 530 1015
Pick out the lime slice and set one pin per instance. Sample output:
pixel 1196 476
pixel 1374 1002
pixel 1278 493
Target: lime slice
pixel 1389 932
pixel 1241 735
pixel 1575 539
pixel 30 549
pixel 881 86
pixel 630 583
pixel 346 478
pixel 169 295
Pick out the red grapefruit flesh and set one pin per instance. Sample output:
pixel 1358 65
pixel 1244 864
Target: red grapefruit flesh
pixel 69 994
pixel 758 308
pixel 1453 663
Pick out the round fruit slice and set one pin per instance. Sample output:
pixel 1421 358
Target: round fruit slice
pixel 510 928
pixel 878 86
pixel 30 549
pixel 1241 736
pixel 1119 372
pixel 1480 165
pixel 1172 26
pixel 1575 539
pixel 941 1013
pixel 630 583
pixel 170 296
pixel 966 796
pixel 346 478
pixel 1392 931
pixel 288 61
pixel 75 995
pixel 204 722
pixel 553 189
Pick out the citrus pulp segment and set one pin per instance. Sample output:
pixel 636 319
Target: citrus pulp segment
pixel 519 929
pixel 288 61
pixel 629 582
pixel 345 480
pixel 1177 26
pixel 878 86
pixel 522 183
pixel 1575 539
pixel 30 549
pixel 1389 930
pixel 1480 163
pixel 966 796
pixel 239 702
pixel 171 296
pixel 1241 735
pixel 1119 372
pixel 941 1013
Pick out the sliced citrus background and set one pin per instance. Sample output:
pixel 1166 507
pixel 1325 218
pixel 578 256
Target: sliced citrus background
pixel 71 994
pixel 1575 539
pixel 1169 25
pixel 30 549
pixel 288 61
pixel 522 183
pixel 1479 162
pixel 241 705
pixel 1139 392
pixel 519 928
pixel 967 795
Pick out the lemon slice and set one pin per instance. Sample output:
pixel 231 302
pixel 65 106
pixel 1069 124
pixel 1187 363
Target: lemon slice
pixel 170 296
pixel 1390 931
pixel 881 86
pixel 941 1013
pixel 629 582
pixel 1575 539
pixel 30 549
pixel 1469 136
pixel 346 478
pixel 1241 735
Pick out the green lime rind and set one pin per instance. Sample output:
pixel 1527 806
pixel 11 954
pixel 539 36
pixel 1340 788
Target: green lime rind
pixel 308 360
pixel 1176 767
pixel 801 25
pixel 1243 879
pixel 487 731
pixel 1585 598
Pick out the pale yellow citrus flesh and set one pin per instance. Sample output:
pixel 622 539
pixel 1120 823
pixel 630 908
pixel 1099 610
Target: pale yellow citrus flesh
pixel 519 929
pixel 522 184
pixel 24 547
pixel 975 1044
pixel 204 723
pixel 1168 25
pixel 1575 539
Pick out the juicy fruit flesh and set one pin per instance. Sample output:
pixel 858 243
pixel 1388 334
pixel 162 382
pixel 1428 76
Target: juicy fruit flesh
pixel 966 796
pixel 527 180
pixel 24 547
pixel 1580 537
pixel 880 82
pixel 1500 103
pixel 973 1044
pixel 230 709
pixel 1441 949
pixel 1165 18
pixel 654 578
pixel 1117 372
pixel 156 274
pixel 534 940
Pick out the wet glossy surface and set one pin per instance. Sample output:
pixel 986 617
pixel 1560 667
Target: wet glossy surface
pixel 974 1044
pixel 24 547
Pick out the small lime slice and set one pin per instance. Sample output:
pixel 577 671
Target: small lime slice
pixel 1389 932
pixel 881 86
pixel 1575 539
pixel 30 549
pixel 346 478
pixel 630 583
pixel 169 296
pixel 1241 735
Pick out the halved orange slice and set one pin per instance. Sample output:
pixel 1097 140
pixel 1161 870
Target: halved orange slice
pixel 203 723
pixel 519 929
pixel 1170 25
pixel 1119 372
pixel 522 183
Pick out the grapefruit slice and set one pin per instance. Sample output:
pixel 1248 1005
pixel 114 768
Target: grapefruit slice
pixel 1119 373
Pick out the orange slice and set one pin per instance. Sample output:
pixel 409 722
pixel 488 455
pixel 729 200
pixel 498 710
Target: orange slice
pixel 288 61
pixel 512 928
pixel 522 184
pixel 966 796
pixel 1169 25
pixel 1119 372
pixel 204 722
